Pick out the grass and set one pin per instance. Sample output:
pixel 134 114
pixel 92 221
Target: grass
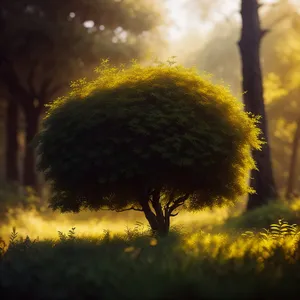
pixel 44 223
pixel 212 254
pixel 138 266
pixel 262 217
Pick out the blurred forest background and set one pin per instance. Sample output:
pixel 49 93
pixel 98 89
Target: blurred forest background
pixel 47 44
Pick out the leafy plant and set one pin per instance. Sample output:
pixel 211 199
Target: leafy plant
pixel 13 236
pixel 138 230
pixel 71 235
pixel 262 217
pixel 150 139
pixel 283 229
pixel 2 247
pixel 277 231
pixel 106 236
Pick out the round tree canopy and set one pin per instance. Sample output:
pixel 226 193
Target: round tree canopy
pixel 141 128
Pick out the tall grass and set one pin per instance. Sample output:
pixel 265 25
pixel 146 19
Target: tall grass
pixel 138 266
pixel 212 254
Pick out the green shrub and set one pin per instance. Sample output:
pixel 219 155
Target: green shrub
pixel 263 217
pixel 159 136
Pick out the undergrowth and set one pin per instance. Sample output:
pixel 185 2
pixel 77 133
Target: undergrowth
pixel 263 216
pixel 136 265
pixel 237 260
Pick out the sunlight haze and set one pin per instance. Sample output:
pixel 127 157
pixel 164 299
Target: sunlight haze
pixel 185 19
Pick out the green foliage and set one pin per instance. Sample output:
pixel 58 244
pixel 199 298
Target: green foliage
pixel 2 247
pixel 262 217
pixel 277 231
pixel 283 229
pixel 138 230
pixel 123 269
pixel 139 128
pixel 13 236
pixel 70 237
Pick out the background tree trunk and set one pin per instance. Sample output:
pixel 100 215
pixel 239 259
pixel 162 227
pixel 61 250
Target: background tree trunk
pixel 293 163
pixel 32 126
pixel 263 180
pixel 12 147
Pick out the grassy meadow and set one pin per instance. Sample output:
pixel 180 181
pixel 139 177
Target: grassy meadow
pixel 212 254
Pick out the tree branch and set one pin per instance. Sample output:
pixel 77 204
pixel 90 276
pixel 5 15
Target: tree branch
pixel 264 32
pixel 261 5
pixel 129 208
pixel 171 199
pixel 174 215
pixel 121 210
pixel 274 23
pixel 157 205
pixel 178 202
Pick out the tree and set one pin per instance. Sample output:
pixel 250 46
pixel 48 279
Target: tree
pixel 11 145
pixel 262 180
pixel 150 139
pixel 47 44
pixel 11 127
pixel 280 65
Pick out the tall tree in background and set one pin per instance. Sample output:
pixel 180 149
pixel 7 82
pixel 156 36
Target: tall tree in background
pixel 11 141
pixel 46 44
pixel 280 58
pixel 11 122
pixel 262 180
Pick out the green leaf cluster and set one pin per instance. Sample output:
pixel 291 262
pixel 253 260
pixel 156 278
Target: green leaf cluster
pixel 140 127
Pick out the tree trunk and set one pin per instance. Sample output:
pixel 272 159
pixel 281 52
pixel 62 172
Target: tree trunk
pixel 162 220
pixel 12 147
pixel 263 180
pixel 159 223
pixel 293 163
pixel 29 170
pixel 160 227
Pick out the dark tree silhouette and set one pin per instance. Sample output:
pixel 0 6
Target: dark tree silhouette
pixel 11 125
pixel 11 138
